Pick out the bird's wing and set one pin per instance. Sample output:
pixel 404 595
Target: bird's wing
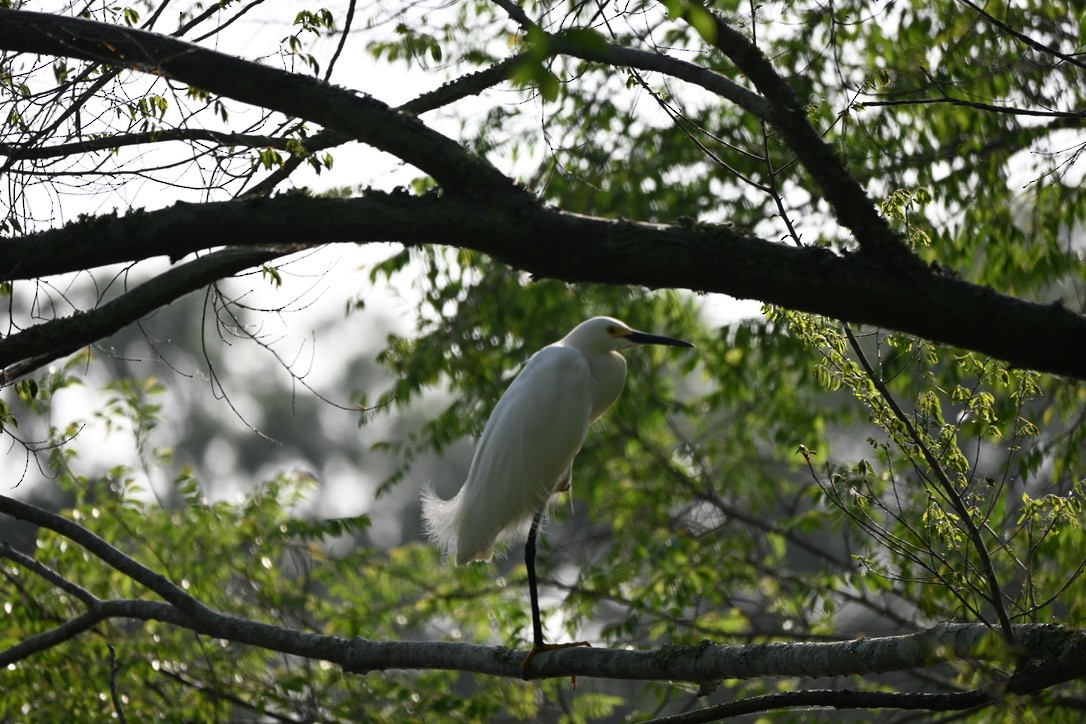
pixel 527 446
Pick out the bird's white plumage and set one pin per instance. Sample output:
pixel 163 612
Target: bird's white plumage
pixel 526 451
pixel 520 458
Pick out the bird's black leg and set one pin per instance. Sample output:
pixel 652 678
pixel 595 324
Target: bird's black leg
pixel 533 588
pixel 533 592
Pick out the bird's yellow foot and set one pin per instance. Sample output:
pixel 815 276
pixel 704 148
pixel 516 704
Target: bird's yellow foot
pixel 540 648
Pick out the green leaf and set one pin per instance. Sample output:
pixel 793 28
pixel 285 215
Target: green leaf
pixel 702 21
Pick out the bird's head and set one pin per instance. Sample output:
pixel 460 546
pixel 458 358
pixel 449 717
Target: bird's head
pixel 606 334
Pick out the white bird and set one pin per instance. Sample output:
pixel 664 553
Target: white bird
pixel 525 454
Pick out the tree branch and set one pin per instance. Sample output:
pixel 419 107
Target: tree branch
pixel 19 152
pixel 705 662
pixel 849 201
pixel 53 637
pixel 1080 116
pixel 46 573
pixel 612 54
pixel 550 243
pixel 175 595
pixel 355 116
pixel 114 694
pixel 834 699
pixel 26 351
pixel 642 60
pixel 995 592
pixel 457 89
pixel 1054 654
pixel 1035 44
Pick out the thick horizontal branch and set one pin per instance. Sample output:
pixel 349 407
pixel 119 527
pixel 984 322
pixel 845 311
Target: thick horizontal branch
pixel 1061 653
pixel 1054 654
pixel 859 288
pixel 355 116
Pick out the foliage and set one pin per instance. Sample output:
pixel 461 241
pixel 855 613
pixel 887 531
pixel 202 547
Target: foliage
pixel 795 479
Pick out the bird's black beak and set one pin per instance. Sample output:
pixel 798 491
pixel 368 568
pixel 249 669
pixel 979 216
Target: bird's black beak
pixel 645 338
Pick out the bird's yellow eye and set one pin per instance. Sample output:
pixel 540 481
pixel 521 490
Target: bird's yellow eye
pixel 614 331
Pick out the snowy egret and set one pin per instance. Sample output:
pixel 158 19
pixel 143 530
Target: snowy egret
pixel 525 454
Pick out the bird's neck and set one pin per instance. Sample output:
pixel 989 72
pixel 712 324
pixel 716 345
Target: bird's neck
pixel 608 378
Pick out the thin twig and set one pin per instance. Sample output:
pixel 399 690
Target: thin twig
pixel 1035 44
pixel 977 105
pixel 114 667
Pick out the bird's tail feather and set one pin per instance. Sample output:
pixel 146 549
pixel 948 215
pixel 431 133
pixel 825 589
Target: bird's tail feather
pixel 440 520
pixel 472 534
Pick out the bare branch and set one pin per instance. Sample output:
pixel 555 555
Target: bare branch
pixel 106 143
pixel 115 695
pixel 26 351
pixel 990 107
pixel 467 85
pixel 1053 654
pixel 53 637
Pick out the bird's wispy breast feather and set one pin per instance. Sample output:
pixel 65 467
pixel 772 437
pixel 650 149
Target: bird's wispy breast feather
pixel 530 440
